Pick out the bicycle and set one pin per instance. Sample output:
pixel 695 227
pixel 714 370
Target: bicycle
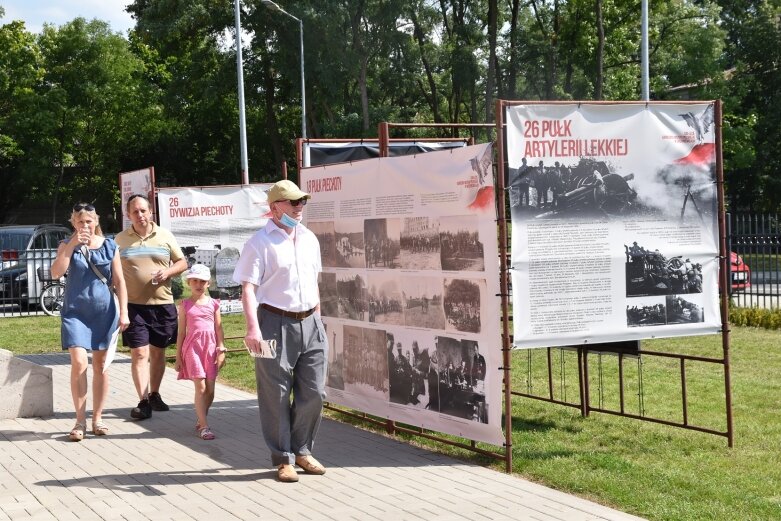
pixel 53 292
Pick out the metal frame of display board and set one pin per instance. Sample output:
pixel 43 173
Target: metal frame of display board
pixel 583 352
pixel 392 427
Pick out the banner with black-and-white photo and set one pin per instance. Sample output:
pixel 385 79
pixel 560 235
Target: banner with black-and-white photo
pixel 408 289
pixel 211 225
pixel 614 221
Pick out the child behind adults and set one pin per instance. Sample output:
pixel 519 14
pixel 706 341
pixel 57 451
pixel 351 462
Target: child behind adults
pixel 200 352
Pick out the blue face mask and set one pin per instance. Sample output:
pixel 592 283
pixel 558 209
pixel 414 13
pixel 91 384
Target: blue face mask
pixel 288 221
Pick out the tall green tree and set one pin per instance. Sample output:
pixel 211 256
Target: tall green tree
pixel 190 43
pixel 367 61
pixel 91 111
pixel 752 92
pixel 20 72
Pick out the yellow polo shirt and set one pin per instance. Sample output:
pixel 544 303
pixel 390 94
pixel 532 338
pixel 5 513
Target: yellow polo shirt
pixel 143 255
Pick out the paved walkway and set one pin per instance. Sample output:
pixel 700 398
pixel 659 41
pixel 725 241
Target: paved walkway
pixel 158 469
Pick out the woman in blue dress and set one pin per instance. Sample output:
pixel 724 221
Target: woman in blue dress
pixel 90 314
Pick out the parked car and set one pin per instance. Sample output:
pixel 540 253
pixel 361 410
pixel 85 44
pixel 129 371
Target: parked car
pixel 740 272
pixel 24 249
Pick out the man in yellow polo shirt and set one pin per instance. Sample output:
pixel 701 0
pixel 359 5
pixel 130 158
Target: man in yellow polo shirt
pixel 150 258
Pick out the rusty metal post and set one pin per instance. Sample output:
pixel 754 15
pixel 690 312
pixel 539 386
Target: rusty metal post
pixel 724 270
pixel 504 286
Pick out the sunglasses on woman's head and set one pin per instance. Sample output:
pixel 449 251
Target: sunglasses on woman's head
pixel 298 202
pixel 83 206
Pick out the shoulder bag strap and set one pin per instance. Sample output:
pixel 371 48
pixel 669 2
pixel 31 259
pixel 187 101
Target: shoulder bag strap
pixel 87 255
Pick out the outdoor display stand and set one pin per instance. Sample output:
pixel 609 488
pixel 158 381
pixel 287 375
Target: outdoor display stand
pixel 639 187
pixel 410 287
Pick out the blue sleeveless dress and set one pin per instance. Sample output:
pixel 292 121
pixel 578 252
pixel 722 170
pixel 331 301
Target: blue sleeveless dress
pixel 89 312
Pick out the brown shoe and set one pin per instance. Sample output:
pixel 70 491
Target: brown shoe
pixel 286 473
pixel 310 465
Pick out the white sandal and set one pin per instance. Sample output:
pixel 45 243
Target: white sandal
pixel 77 432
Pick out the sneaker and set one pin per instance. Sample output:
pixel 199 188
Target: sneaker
pixel 157 402
pixel 142 411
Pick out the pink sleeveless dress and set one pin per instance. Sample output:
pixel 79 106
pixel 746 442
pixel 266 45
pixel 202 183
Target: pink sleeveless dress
pixel 199 349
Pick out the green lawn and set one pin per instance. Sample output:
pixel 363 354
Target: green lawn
pixel 650 470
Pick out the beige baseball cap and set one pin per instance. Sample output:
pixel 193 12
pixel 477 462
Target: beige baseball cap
pixel 286 190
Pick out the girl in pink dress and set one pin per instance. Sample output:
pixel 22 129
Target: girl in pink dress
pixel 200 352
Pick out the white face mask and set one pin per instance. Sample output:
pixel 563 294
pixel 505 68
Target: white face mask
pixel 288 221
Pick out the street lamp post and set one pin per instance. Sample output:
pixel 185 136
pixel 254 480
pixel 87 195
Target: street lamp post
pixel 644 48
pixel 242 117
pixel 275 7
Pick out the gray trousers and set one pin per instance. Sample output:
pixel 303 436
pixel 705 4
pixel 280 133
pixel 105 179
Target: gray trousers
pixel 290 426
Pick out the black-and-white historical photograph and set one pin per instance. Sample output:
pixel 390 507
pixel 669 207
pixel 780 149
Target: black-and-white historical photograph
pixel 646 311
pixel 649 272
pixel 382 238
pixel 325 234
pixel 587 188
pixel 365 362
pixel 409 363
pixel 334 332
pixel 349 243
pixel 329 301
pixel 420 243
pixel 385 298
pixel 461 249
pixel 461 372
pixel 352 297
pixel 592 188
pixel 422 298
pixel 462 304
pixel 684 310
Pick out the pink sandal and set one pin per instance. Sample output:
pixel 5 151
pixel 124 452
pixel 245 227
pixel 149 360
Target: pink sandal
pixel 206 434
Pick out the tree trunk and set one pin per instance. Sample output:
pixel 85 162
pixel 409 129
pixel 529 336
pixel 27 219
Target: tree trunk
pixel 493 67
pixel 364 92
pixel 599 79
pixel 432 85
pixel 512 76
pixel 362 57
pixel 61 176
pixel 272 126
pixel 554 54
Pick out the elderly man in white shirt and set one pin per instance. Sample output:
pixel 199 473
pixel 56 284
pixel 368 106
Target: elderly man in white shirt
pixel 278 271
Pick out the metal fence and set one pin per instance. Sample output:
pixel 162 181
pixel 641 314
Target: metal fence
pixel 754 241
pixel 24 277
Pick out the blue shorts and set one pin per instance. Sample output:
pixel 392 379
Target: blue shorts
pixel 155 325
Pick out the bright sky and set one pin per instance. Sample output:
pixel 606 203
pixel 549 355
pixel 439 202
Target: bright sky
pixel 35 13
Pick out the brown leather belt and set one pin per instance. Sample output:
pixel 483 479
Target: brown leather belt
pixel 297 315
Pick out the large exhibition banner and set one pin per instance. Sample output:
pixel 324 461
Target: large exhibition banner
pixel 211 224
pixel 614 221
pixel 408 289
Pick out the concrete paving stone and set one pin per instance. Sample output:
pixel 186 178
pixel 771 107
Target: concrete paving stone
pixel 14 509
pixel 64 515
pixel 13 490
pixel 41 513
pixel 126 515
pixel 160 467
pixel 54 503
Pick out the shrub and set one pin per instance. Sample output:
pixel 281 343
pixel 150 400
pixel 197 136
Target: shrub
pixel 755 317
pixel 177 287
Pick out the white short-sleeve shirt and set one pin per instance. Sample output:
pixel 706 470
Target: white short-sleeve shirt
pixel 283 267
